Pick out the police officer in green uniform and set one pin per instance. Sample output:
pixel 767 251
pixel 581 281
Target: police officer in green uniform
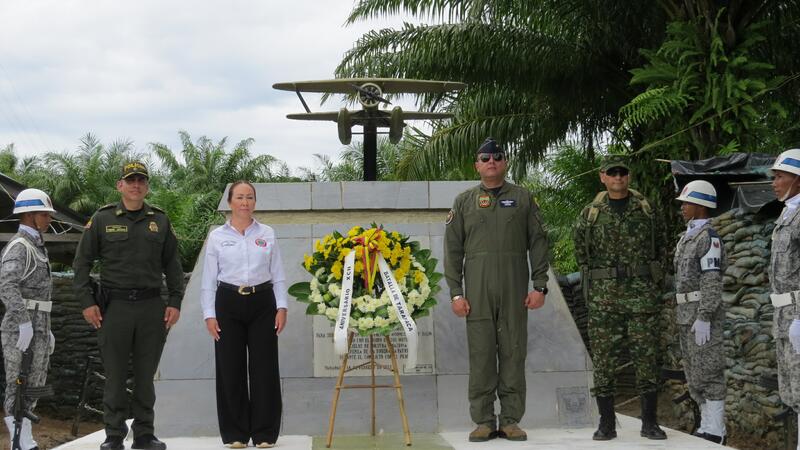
pixel 135 245
pixel 615 245
pixel 491 233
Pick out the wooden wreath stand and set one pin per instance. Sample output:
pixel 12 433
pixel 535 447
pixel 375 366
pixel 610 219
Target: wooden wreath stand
pixel 371 364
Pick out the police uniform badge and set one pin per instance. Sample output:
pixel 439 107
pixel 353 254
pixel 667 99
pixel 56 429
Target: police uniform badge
pixel 450 216
pixel 153 226
pixel 484 201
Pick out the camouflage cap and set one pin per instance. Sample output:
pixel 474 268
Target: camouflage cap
pixel 134 168
pixel 614 161
pixel 489 146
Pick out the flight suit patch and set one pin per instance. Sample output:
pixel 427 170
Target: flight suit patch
pixel 153 227
pixel 261 243
pixel 116 228
pixel 450 216
pixel 508 203
pixel 484 201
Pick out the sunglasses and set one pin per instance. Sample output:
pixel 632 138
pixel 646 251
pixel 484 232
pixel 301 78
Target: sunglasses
pixel 485 157
pixel 617 171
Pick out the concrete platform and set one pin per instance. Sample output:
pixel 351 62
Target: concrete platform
pixel 538 439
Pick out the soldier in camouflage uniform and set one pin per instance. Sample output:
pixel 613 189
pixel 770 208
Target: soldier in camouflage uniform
pixel 25 285
pixel 493 231
pixel 699 313
pixel 784 277
pixel 616 249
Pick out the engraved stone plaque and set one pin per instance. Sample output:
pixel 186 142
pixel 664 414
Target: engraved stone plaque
pixel 574 405
pixel 327 362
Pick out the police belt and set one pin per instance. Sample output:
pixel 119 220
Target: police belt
pixel 618 272
pixel 131 295
pixel 784 299
pixel 44 306
pixel 246 290
pixel 687 297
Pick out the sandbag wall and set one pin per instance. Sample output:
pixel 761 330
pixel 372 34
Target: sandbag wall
pixel 749 347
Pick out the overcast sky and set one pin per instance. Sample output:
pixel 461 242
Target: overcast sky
pixel 143 70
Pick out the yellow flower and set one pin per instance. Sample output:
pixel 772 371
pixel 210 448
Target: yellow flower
pixel 419 277
pixel 308 260
pixel 395 235
pixel 318 246
pixel 400 273
pixel 355 231
pixel 359 267
pixel 336 270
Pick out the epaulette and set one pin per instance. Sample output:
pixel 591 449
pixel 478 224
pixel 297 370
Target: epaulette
pixel 110 205
pixel 156 208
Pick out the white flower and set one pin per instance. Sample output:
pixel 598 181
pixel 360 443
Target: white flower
pixel 425 291
pixel 314 285
pixel 332 313
pixel 392 315
pixel 317 298
pixel 380 322
pixel 365 323
pixel 414 298
pixel 321 308
pixel 319 272
pixel 335 289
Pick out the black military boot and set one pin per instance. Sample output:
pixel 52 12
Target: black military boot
pixel 608 421
pixel 650 428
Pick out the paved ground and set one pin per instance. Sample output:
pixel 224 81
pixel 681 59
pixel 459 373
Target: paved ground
pixel 542 439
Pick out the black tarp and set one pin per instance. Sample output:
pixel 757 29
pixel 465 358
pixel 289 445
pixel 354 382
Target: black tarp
pixel 742 180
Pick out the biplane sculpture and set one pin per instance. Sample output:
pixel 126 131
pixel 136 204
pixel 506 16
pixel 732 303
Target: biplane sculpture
pixel 370 93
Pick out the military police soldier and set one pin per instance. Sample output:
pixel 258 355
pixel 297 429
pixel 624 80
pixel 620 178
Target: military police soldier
pixel 699 313
pixel 615 245
pixel 491 232
pixel 135 244
pixel 783 276
pixel 25 288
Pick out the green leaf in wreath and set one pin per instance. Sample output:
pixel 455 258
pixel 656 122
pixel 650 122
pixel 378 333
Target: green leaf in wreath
pixel 300 290
pixel 420 313
pixel 312 309
pixel 429 303
pixel 434 278
pixel 422 254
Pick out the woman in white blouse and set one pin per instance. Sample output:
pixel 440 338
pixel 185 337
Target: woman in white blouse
pixel 244 305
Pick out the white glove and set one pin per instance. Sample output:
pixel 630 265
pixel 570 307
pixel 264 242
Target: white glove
pixel 25 336
pixel 52 343
pixel 794 335
pixel 702 331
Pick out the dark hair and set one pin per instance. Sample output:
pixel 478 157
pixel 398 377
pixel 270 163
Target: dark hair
pixel 237 183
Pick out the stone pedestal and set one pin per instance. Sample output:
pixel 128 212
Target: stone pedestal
pixel 558 366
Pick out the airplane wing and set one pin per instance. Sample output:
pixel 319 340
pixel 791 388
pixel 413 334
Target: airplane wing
pixel 387 85
pixel 331 116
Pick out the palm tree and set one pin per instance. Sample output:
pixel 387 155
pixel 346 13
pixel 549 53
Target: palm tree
pixel 538 71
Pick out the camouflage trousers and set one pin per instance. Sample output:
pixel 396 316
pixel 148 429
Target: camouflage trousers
pixel 13 360
pixel 608 332
pixel 704 365
pixel 788 373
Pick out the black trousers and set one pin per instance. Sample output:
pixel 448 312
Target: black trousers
pixel 247 349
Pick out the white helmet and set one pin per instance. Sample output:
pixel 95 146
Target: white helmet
pixel 788 161
pixel 700 193
pixel 32 200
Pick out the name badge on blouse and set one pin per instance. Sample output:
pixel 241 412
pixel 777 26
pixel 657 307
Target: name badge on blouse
pixel 508 203
pixel 261 243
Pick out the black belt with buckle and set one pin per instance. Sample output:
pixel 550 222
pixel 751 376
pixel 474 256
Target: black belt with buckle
pixel 245 290
pixel 132 294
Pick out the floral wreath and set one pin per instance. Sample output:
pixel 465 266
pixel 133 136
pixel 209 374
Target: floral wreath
pixel 372 309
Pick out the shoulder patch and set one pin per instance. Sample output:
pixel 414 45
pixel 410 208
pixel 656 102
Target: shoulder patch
pixel 712 260
pixel 156 208
pixel 110 205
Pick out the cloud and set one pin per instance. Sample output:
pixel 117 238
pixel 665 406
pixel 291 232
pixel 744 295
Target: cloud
pixel 145 70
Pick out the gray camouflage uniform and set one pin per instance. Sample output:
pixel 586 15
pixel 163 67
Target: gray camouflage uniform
pixel 14 287
pixel 699 265
pixel 784 271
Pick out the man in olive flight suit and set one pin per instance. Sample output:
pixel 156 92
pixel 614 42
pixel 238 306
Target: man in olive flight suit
pixel 615 246
pixel 491 232
pixel 135 244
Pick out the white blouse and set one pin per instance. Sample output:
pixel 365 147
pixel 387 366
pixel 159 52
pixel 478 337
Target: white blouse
pixel 242 260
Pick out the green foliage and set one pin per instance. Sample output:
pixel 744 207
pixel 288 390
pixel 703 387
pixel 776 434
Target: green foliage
pixel 565 183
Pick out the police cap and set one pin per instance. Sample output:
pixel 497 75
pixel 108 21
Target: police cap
pixel 134 168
